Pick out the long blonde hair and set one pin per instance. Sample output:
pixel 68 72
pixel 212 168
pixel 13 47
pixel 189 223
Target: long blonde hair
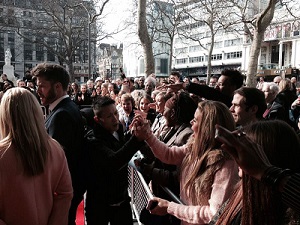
pixel 285 84
pixel 202 155
pixel 22 126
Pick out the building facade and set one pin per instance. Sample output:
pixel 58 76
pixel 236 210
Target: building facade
pixel 110 61
pixel 279 53
pixel 21 26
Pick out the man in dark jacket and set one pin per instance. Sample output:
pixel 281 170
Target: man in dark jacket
pixel 64 123
pixel 228 82
pixel 108 154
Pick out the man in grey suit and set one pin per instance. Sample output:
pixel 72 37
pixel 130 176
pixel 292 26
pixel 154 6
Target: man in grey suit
pixel 64 123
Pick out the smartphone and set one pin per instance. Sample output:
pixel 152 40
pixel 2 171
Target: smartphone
pixel 152 204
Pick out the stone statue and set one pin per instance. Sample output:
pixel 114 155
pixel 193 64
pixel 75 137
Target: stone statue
pixel 8 69
pixel 8 57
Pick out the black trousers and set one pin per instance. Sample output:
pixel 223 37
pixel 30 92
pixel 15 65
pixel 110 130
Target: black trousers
pixel 79 183
pixel 104 214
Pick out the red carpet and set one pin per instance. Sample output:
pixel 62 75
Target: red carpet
pixel 80 214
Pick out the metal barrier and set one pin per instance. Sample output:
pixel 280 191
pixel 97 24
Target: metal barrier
pixel 138 191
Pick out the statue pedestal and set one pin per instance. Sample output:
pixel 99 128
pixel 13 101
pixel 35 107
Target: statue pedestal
pixel 9 71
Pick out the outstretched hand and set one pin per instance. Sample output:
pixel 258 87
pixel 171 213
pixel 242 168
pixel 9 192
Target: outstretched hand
pixel 248 155
pixel 139 112
pixel 295 103
pixel 174 87
pixel 140 127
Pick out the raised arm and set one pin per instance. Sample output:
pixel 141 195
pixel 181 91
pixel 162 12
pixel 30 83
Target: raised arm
pixel 253 161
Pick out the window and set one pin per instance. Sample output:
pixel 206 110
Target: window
pixel 233 42
pixel 181 61
pixel 40 56
pixel 195 48
pixel 181 50
pixel 198 36
pixel 287 30
pixel 185 27
pixel 296 28
pixel 50 55
pixel 184 17
pixel 164 65
pixel 196 59
pixel 77 69
pixel 28 48
pixel 28 51
pixel 197 24
pixel 216 57
pixel 218 44
pixel 233 55
pixel 39 49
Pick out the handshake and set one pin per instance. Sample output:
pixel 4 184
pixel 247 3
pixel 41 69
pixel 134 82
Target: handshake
pixel 140 128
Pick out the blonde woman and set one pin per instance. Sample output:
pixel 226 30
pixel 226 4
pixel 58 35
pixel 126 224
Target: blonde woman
pixel 207 174
pixel 286 98
pixel 104 89
pixel 35 187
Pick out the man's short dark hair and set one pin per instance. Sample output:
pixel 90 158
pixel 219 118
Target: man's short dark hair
pixel 53 73
pixel 100 103
pixel 175 73
pixel 215 77
pixel 253 96
pixel 235 76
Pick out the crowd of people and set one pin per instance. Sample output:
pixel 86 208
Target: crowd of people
pixel 230 152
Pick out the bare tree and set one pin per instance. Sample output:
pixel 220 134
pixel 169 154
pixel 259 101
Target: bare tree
pixel 165 19
pixel 203 20
pixel 256 19
pixel 255 28
pixel 160 27
pixel 260 24
pixel 61 28
pixel 145 38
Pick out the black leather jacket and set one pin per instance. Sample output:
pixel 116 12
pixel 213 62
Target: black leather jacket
pixel 107 160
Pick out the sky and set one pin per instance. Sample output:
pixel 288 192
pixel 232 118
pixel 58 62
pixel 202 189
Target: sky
pixel 116 12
